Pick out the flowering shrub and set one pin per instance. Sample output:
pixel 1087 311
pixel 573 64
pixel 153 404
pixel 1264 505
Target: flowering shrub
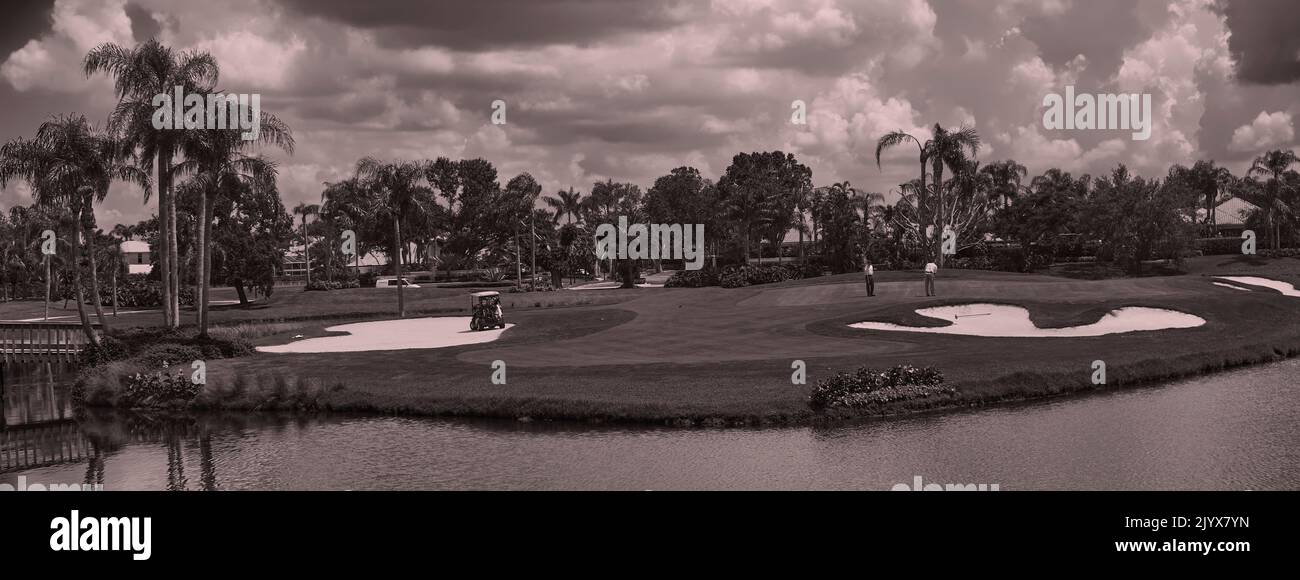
pixel 167 353
pixel 160 388
pixel 868 386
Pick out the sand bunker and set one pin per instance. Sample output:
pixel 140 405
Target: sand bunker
pixel 405 334
pixel 1013 321
pixel 609 286
pixel 1286 288
pixel 1231 286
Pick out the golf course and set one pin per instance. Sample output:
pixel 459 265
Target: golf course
pixel 715 356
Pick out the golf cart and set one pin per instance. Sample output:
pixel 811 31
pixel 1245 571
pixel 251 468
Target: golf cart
pixel 486 307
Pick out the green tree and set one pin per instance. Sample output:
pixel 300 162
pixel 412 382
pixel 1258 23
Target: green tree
pixel 759 192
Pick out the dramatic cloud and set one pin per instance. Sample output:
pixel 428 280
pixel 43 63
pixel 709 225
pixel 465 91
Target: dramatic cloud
pixel 496 23
pixel 628 89
pixel 1264 41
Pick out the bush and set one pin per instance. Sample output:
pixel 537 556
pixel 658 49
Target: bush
pixel 1217 246
pixel 110 349
pixel 868 386
pixel 1282 253
pixel 738 276
pixel 137 291
pixel 160 388
pixel 692 279
pixel 972 263
pixel 327 285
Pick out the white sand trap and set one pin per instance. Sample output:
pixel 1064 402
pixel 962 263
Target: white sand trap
pixel 610 286
pixel 405 334
pixel 1231 286
pixel 1013 321
pixel 1286 288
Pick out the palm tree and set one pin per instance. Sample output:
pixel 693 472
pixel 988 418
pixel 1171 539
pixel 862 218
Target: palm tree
pixel 350 203
pixel 141 73
pixel 894 139
pixel 401 196
pixel 1205 180
pixel 1006 179
pixel 70 164
pixel 221 169
pixel 305 209
pixel 944 148
pixel 220 166
pixel 868 201
pixel 1275 196
pixel 567 203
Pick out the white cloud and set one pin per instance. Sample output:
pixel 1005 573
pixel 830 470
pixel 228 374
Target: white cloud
pixel 1267 131
pixel 53 62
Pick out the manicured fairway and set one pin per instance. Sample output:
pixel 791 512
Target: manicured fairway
pixel 725 355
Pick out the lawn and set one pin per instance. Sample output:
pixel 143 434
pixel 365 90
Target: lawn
pixel 724 356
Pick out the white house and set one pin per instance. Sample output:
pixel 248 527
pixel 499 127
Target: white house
pixel 136 255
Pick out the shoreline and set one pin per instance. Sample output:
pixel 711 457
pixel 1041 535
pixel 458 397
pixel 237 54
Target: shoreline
pixel 620 415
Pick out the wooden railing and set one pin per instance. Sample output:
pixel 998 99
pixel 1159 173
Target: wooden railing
pixel 38 341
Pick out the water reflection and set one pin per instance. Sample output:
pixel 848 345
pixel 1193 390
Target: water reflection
pixel 35 392
pixel 1231 431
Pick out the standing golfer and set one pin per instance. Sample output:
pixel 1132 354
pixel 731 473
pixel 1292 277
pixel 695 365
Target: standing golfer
pixel 930 270
pixel 870 271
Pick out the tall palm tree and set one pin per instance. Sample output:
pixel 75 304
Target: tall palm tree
pixel 566 203
pixel 944 149
pixel 305 209
pixel 895 139
pixel 220 168
pixel 400 196
pixel 140 73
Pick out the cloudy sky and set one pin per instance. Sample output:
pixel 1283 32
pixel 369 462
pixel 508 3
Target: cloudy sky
pixel 629 89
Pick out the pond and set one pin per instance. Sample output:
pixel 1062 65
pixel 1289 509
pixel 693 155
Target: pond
pixel 1235 430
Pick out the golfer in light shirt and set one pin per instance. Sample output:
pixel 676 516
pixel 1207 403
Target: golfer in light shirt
pixel 870 271
pixel 930 270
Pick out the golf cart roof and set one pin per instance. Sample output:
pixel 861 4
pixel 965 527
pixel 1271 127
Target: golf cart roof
pixel 485 294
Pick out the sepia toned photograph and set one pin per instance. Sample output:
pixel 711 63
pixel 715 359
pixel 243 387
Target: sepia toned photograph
pixel 626 245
